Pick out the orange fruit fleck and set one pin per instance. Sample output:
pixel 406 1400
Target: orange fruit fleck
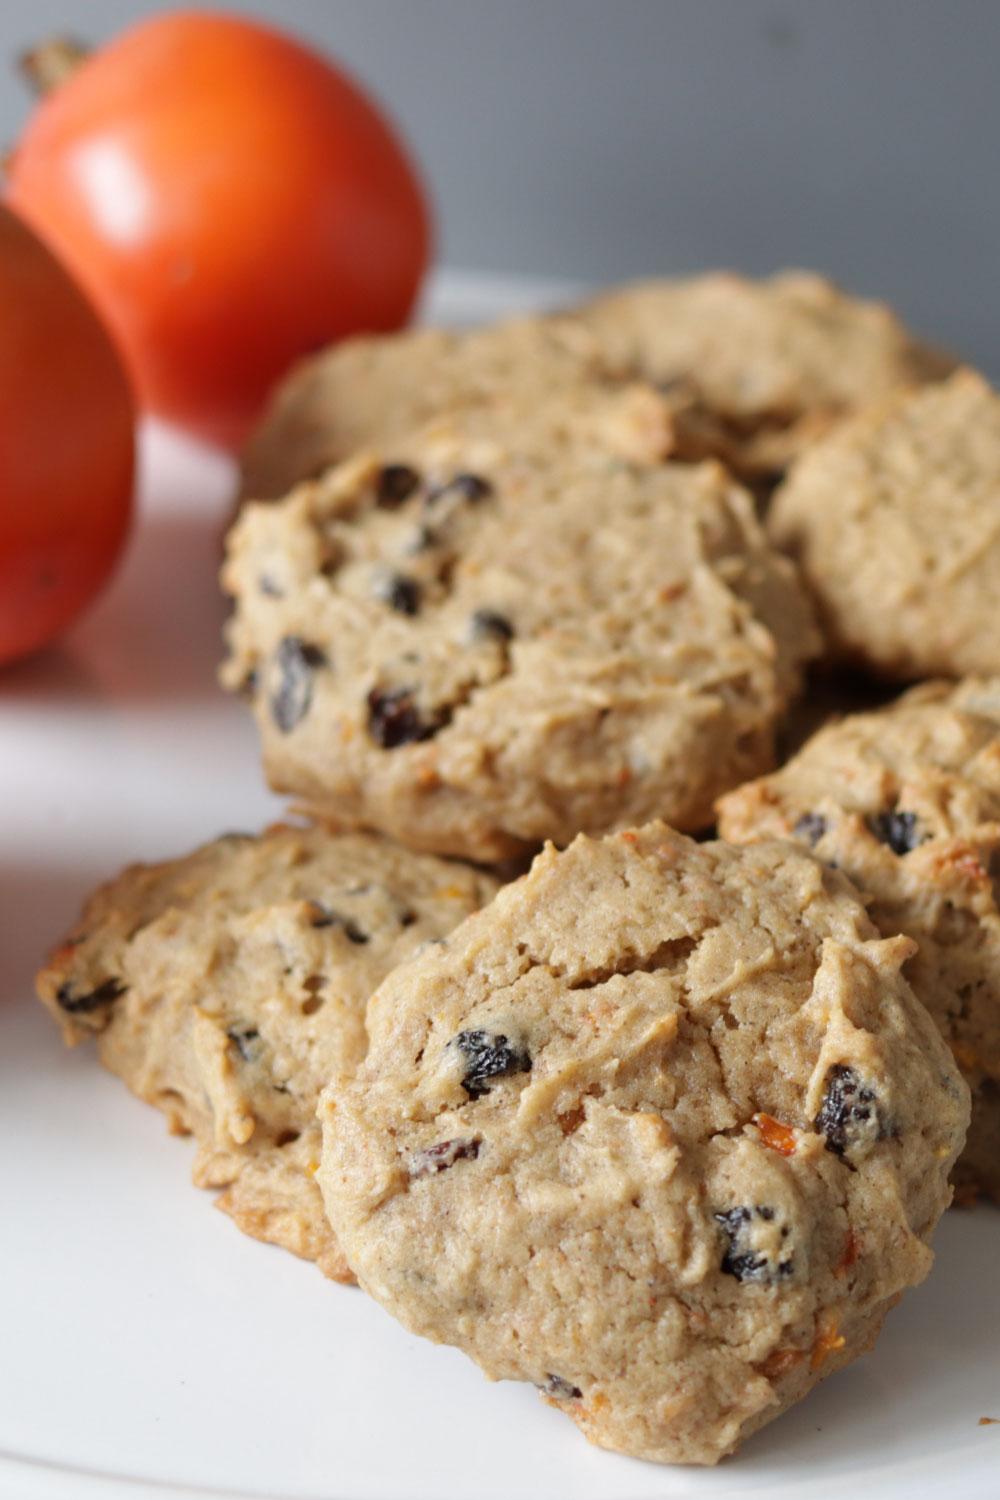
pixel 828 1341
pixel 848 1255
pixel 777 1136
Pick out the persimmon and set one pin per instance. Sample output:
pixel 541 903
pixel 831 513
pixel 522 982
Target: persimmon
pixel 230 201
pixel 66 446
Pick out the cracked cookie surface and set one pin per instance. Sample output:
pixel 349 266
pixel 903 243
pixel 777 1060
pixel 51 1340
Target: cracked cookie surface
pixel 475 650
pixel 906 801
pixel 663 1131
pixel 895 521
pixel 227 986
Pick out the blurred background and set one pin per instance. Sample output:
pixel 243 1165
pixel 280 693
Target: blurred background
pixel 599 139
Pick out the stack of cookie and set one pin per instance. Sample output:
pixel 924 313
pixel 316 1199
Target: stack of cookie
pixel 663 1126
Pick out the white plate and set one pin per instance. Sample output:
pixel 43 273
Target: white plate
pixel 146 1346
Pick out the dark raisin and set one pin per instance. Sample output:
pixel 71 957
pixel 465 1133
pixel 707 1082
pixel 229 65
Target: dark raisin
pixel 849 1112
pixel 487 624
pixel 400 593
pixel 267 586
pixel 897 829
pixel 245 1039
pixel 394 719
pixel 296 661
pixel 562 1390
pixel 488 1056
pixel 467 486
pixel 395 483
pixel 445 1154
pixel 248 685
pixel 102 994
pixel 811 827
pixel 740 1258
pixel 325 916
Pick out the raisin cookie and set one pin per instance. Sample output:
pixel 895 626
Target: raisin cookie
pixel 895 520
pixel 475 651
pixel 226 987
pixel 757 370
pixel 371 390
pixel 663 1131
pixel 907 802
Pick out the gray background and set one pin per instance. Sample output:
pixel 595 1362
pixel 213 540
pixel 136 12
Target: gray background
pixel 599 140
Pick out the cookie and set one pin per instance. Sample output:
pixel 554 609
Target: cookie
pixel 367 391
pixel 663 1131
pixel 757 370
pixel 226 987
pixel 474 649
pixel 907 802
pixel 895 521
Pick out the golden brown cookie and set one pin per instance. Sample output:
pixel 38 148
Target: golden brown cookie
pixel 907 802
pixel 226 987
pixel 663 1130
pixel 372 390
pixel 474 647
pixel 756 370
pixel 894 519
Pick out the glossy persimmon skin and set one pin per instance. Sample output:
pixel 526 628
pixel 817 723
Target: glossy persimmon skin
pixel 67 453
pixel 230 201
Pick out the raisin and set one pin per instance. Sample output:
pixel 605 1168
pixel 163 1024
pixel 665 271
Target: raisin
pixel 325 916
pixel 248 684
pixel 102 994
pixel 897 829
pixel 243 1039
pixel 849 1113
pixel 400 593
pixel 560 1389
pixel 488 1055
pixel 445 1154
pixel 296 660
pixel 811 827
pixel 740 1258
pixel 395 483
pixel 267 586
pixel 487 624
pixel 467 486
pixel 394 719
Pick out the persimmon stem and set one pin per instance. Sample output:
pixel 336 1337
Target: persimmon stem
pixel 49 64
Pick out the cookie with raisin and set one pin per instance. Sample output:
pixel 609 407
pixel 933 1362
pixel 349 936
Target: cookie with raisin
pixel 663 1131
pixel 225 987
pixel 474 646
pixel 906 801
